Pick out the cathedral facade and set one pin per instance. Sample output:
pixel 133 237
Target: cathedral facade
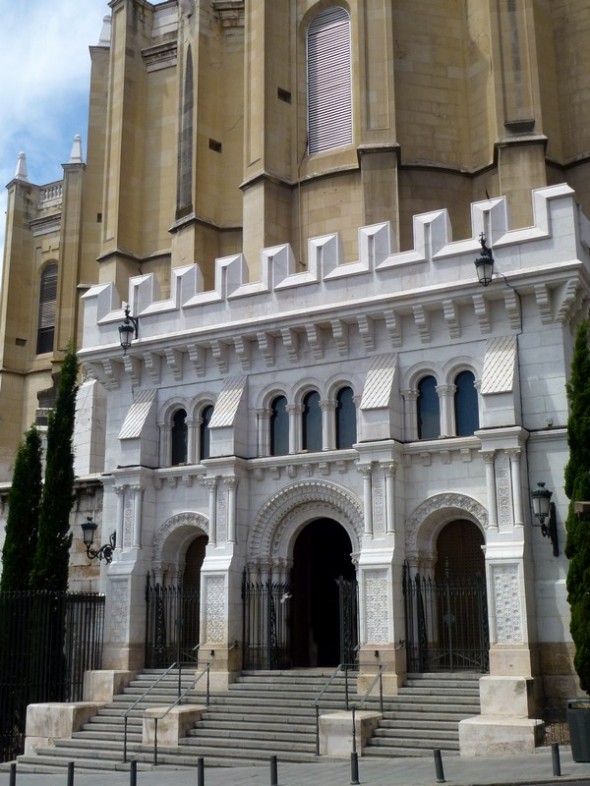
pixel 323 417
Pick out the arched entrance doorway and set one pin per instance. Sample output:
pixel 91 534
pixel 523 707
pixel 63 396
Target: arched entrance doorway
pixel 446 608
pixel 173 603
pixel 324 609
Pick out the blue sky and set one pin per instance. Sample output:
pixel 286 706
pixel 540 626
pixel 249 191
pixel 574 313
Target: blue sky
pixel 45 67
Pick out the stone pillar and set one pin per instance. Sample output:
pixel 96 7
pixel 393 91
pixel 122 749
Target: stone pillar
pixel 367 472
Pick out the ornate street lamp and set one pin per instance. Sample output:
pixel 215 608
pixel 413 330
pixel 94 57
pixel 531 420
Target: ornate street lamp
pixel 484 264
pixel 128 330
pixel 104 552
pixel 544 511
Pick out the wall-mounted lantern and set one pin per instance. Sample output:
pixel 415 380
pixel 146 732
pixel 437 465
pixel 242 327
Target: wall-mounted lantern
pixel 128 330
pixel 544 511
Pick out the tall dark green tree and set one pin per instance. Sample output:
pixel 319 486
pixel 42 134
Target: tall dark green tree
pixel 23 515
pixel 577 487
pixel 52 554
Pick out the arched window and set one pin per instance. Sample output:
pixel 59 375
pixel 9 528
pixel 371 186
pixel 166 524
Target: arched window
pixel 466 405
pixel 47 302
pixel 329 80
pixel 345 419
pixel 279 427
pixel 311 436
pixel 179 438
pixel 204 433
pixel 428 409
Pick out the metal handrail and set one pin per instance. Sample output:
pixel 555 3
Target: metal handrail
pixel 206 671
pixel 379 677
pixel 141 698
pixel 342 667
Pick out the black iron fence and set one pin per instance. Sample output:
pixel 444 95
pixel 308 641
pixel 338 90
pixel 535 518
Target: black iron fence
pixel 172 624
pixel 446 623
pixel 47 641
pixel 266 623
pixel 349 615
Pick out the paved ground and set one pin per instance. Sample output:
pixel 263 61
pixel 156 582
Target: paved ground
pixel 533 769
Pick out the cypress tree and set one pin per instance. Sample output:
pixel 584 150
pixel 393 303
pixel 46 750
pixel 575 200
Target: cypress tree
pixel 23 515
pixel 577 487
pixel 52 555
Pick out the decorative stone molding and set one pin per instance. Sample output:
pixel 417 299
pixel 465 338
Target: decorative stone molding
pixel 300 502
pixel 230 12
pixel 175 528
pixel 443 508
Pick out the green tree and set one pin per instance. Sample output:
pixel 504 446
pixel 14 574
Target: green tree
pixel 52 555
pixel 23 515
pixel 577 487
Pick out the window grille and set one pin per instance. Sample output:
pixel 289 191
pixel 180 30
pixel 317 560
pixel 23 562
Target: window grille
pixel 47 308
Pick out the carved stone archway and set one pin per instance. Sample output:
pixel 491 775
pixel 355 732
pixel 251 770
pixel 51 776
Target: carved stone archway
pixel 430 516
pixel 289 510
pixel 172 540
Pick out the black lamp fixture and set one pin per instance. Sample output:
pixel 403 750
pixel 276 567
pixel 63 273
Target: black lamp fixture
pixel 104 552
pixel 484 264
pixel 128 330
pixel 544 511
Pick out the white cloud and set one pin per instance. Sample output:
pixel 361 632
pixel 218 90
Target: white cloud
pixel 45 64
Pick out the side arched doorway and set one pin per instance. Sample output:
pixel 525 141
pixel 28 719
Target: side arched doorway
pixel 173 606
pixel 324 616
pixel 446 606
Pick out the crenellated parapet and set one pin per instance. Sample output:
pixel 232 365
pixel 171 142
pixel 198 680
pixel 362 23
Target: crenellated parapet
pixel 332 299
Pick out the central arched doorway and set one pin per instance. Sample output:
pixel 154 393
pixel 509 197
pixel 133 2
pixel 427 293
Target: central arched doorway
pixel 324 608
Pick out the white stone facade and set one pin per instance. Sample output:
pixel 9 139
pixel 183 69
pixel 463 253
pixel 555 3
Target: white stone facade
pixel 376 325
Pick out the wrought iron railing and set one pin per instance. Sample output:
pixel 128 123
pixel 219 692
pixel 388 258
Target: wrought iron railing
pixel 47 641
pixel 446 623
pixel 172 623
pixel 266 623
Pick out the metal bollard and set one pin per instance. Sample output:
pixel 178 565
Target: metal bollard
pixel 555 758
pixel 354 768
pixel 133 773
pixel 200 771
pixel 438 766
pixel 12 781
pixel 70 773
pixel 274 778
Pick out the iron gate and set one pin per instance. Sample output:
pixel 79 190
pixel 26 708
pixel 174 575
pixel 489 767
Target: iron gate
pixel 172 624
pixel 266 623
pixel 348 597
pixel 446 623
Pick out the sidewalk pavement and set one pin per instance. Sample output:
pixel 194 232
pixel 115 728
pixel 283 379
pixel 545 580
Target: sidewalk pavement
pixel 535 768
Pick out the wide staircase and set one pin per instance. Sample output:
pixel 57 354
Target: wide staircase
pixel 264 714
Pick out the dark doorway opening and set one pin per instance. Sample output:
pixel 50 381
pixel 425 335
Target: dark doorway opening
pixel 173 612
pixel 322 555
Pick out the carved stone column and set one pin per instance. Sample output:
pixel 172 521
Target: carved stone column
pixel 367 472
pixel 489 461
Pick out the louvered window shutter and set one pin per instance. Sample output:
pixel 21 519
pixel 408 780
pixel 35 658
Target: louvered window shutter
pixel 329 83
pixel 47 303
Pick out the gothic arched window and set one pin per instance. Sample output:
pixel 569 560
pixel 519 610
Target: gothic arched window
pixel 311 422
pixel 428 409
pixel 279 427
pixel 329 80
pixel 345 419
pixel 466 405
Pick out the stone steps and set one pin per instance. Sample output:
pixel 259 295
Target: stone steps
pixel 264 714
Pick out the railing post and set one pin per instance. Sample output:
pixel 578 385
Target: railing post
pixel 438 766
pixel 133 773
pixel 345 688
pixel 200 771
pixel 70 773
pixel 12 774
pixel 125 740
pixel 155 742
pixel 381 690
pixel 317 729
